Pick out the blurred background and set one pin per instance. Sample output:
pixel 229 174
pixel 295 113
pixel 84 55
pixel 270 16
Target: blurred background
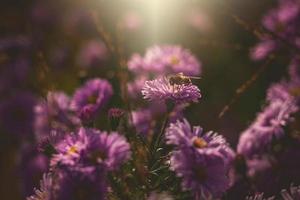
pixel 64 45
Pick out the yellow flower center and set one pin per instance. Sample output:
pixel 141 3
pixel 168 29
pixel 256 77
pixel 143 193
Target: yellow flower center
pixel 72 149
pixel 199 143
pixel 92 99
pixel 174 60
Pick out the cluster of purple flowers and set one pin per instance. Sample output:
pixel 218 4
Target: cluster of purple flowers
pixel 201 159
pixel 280 25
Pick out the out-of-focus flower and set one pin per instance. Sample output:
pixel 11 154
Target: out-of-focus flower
pixel 204 174
pixel 130 21
pixel 89 99
pixel 142 120
pixel 199 20
pixel 183 135
pixel 134 87
pixel 262 49
pixel 162 90
pixel 45 191
pixel 92 54
pixel 17 115
pixel 268 125
pixel 91 148
pixel 166 59
pixel 54 114
pixel 160 196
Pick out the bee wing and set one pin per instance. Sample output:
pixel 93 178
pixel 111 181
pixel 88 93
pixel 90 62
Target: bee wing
pixel 194 77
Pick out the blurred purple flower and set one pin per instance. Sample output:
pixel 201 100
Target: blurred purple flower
pixel 142 120
pixel 115 112
pixel 54 114
pixel 130 21
pixel 89 99
pixel 166 59
pixel 262 49
pixel 161 90
pixel 92 54
pixel 268 125
pixel 204 174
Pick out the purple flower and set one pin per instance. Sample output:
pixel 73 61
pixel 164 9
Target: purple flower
pixel 90 147
pixel 281 19
pixel 17 115
pixel 262 49
pixel 45 191
pixel 112 149
pixel 204 174
pixel 92 54
pixel 182 135
pixel 69 149
pixel 164 60
pixel 91 97
pixel 161 90
pixel 268 125
pixel 142 120
pixel 54 114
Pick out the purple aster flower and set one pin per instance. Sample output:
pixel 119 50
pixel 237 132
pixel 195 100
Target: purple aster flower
pixel 91 97
pixel 280 19
pixel 162 90
pixel 54 114
pixel 268 125
pixel 183 135
pixel 262 49
pixel 292 194
pixel 92 54
pixel 112 149
pixel 17 114
pixel 142 120
pixel 164 60
pixel 90 147
pixel 45 191
pixel 204 174
pixel 134 88
pixel 69 149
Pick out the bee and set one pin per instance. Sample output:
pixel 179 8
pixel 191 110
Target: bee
pixel 181 79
